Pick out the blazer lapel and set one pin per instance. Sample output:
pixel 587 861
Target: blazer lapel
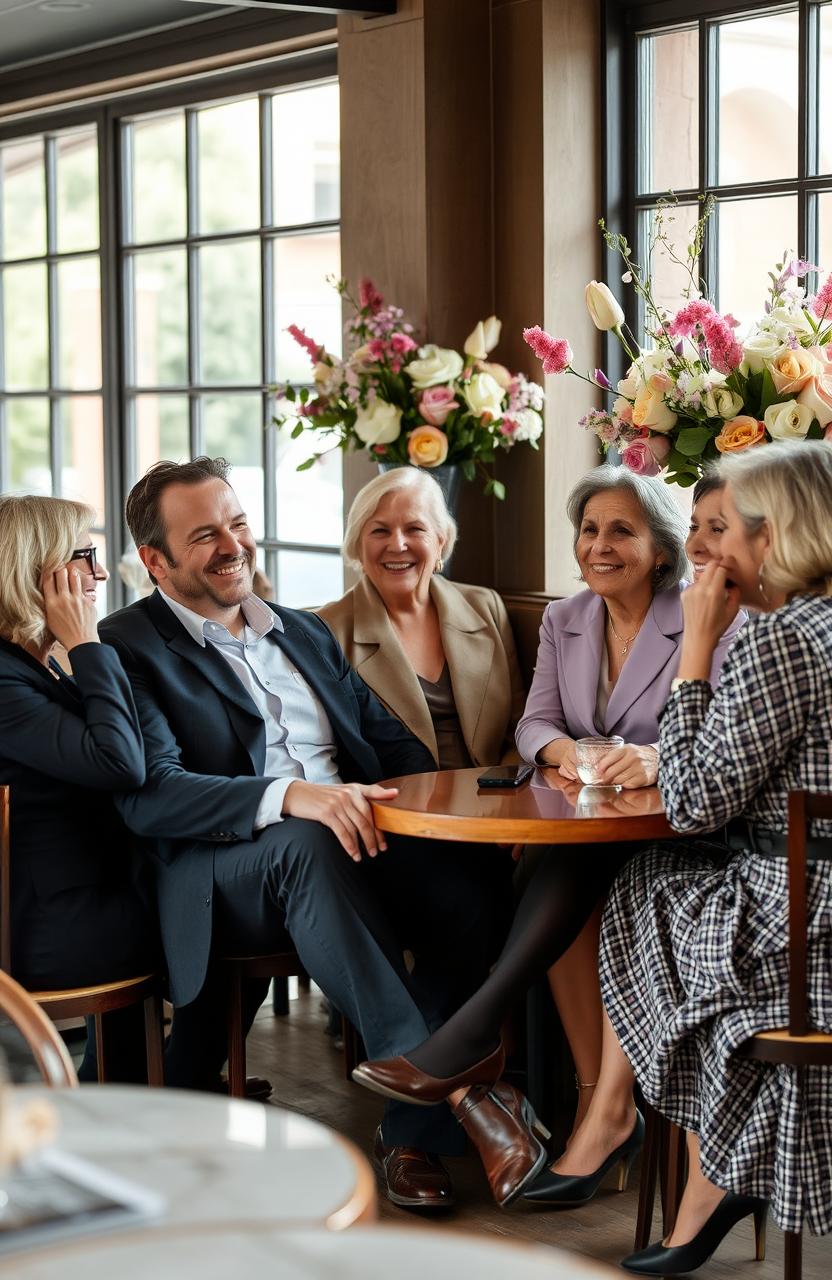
pixel 469 649
pixel 581 641
pixel 60 687
pixel 657 642
pixel 382 664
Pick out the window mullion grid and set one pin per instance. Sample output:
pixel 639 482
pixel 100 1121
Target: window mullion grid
pixel 709 149
pixel 267 329
pixel 808 95
pixel 52 326
pixel 195 417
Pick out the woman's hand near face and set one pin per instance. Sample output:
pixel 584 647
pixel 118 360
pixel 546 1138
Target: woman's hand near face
pixel 709 607
pixel 629 766
pixel 70 613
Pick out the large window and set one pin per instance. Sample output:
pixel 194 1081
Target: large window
pixel 216 227
pixel 732 103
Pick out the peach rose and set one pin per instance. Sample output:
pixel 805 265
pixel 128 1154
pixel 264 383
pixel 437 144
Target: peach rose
pixel 791 368
pixel 427 447
pixel 740 433
pixel 817 396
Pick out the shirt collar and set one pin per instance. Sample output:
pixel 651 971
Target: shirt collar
pixel 258 616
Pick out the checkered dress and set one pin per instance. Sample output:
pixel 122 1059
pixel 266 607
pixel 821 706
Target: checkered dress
pixel 694 949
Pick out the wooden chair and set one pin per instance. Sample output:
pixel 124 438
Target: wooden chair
pixel 795 1045
pixel 84 1002
pixel 48 1049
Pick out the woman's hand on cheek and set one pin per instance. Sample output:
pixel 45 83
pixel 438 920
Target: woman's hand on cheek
pixel 709 606
pixel 629 766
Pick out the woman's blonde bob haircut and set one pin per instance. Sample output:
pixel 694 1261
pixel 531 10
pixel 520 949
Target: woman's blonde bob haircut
pixel 37 536
pixel 788 484
pixel 367 500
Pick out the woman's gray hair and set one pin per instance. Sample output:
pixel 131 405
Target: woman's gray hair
pixel 367 500
pixel 668 527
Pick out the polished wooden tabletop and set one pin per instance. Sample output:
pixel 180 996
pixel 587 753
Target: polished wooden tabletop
pixel 449 805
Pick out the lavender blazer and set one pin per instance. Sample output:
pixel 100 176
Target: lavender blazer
pixel 561 701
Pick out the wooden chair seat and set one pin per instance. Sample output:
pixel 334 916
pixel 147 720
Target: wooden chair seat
pixel 48 1049
pixel 86 1002
pixel 777 1045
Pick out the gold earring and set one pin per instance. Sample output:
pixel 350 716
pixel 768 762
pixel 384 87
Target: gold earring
pixel 760 585
pixel 440 565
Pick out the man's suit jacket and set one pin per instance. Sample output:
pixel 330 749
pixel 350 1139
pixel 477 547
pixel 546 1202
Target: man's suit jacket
pixel 482 661
pixel 65 747
pixel 205 751
pixel 561 702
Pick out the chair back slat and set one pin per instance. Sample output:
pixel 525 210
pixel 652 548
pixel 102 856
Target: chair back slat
pixel 5 883
pixel 798 824
pixel 48 1049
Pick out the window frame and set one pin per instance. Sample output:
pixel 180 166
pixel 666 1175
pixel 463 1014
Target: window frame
pixel 624 22
pixel 293 69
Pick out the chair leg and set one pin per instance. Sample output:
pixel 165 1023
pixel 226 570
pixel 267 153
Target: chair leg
pixel 154 1038
pixel 236 1039
pixel 793 1255
pixel 280 996
pixel 303 979
pixel 100 1050
pixel 649 1174
pixel 352 1047
pixel 673 1181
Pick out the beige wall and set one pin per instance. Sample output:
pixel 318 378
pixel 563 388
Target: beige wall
pixel 470 183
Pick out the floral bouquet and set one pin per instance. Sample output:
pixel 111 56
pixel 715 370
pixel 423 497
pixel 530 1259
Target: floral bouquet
pixel 701 389
pixel 403 403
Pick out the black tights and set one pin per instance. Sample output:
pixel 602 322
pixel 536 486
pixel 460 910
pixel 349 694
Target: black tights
pixel 557 901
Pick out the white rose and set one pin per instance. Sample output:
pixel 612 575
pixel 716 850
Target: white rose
pixel 758 348
pixel 435 365
pixel 721 402
pixel 794 319
pixel 604 309
pixel 629 386
pixel 379 423
pixel 483 339
pixel 788 421
pixel 529 425
pixel 483 394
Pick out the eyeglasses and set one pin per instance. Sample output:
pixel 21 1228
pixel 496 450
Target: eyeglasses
pixel 89 554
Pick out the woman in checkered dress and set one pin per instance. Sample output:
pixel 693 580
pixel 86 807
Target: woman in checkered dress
pixel 694 949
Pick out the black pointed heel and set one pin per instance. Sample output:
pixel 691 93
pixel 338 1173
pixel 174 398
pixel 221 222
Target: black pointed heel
pixel 657 1260
pixel 574 1189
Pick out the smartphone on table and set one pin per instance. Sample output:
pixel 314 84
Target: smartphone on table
pixel 506 775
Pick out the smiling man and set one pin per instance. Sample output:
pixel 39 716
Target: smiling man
pixel 264 750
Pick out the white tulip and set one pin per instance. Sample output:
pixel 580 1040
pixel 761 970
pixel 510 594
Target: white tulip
pixel 483 338
pixel 602 306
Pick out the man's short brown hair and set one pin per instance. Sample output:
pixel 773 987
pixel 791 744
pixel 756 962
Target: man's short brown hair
pixel 144 502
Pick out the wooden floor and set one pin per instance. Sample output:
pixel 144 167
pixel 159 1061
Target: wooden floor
pixel 307 1074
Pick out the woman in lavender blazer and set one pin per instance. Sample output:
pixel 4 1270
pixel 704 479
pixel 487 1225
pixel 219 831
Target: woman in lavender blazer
pixel 605 664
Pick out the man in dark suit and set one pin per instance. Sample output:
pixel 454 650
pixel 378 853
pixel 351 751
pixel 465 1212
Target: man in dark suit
pixel 263 751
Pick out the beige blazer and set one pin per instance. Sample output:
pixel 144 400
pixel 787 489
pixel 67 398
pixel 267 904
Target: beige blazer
pixel 482 661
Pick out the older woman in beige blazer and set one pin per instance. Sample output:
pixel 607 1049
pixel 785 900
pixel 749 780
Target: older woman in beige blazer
pixel 440 655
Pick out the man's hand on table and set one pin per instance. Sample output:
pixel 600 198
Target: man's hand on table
pixel 344 808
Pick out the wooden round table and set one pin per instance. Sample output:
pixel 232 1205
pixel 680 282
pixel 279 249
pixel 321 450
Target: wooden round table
pixel 371 1253
pixel 449 805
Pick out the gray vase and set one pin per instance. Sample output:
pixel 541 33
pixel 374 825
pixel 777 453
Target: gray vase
pixel 449 479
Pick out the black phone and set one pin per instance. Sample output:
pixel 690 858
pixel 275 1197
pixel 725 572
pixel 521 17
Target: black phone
pixel 507 775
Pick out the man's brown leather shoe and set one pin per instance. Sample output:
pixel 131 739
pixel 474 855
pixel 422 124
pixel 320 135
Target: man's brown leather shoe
pixel 397 1078
pixel 413 1179
pixel 257 1089
pixel 511 1155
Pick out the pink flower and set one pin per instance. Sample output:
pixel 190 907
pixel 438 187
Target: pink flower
pixel 822 305
pixel 508 426
pixel 555 353
pixel 402 343
pixel 685 321
pixel 369 297
pixel 303 340
pixel 724 352
pixel 376 350
pixel 659 446
pixel 436 403
pixel 639 457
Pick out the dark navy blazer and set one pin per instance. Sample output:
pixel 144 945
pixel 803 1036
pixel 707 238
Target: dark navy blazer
pixel 205 752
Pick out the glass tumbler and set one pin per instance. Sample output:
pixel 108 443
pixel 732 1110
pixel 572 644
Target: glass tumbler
pixel 589 753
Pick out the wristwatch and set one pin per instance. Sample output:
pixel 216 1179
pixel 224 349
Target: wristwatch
pixel 679 681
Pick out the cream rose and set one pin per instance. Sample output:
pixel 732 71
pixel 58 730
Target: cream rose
pixel 427 447
pixel 791 368
pixel 604 309
pixel 817 396
pixel 650 409
pixel 789 421
pixel 483 394
pixel 721 402
pixel 434 365
pixel 498 372
pixel 759 348
pixel 379 423
pixel 483 338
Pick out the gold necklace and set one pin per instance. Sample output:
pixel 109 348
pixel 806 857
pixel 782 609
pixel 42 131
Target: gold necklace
pixel 625 644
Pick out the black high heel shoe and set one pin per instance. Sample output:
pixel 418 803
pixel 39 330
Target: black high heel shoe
pixel 658 1260
pixel 571 1189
